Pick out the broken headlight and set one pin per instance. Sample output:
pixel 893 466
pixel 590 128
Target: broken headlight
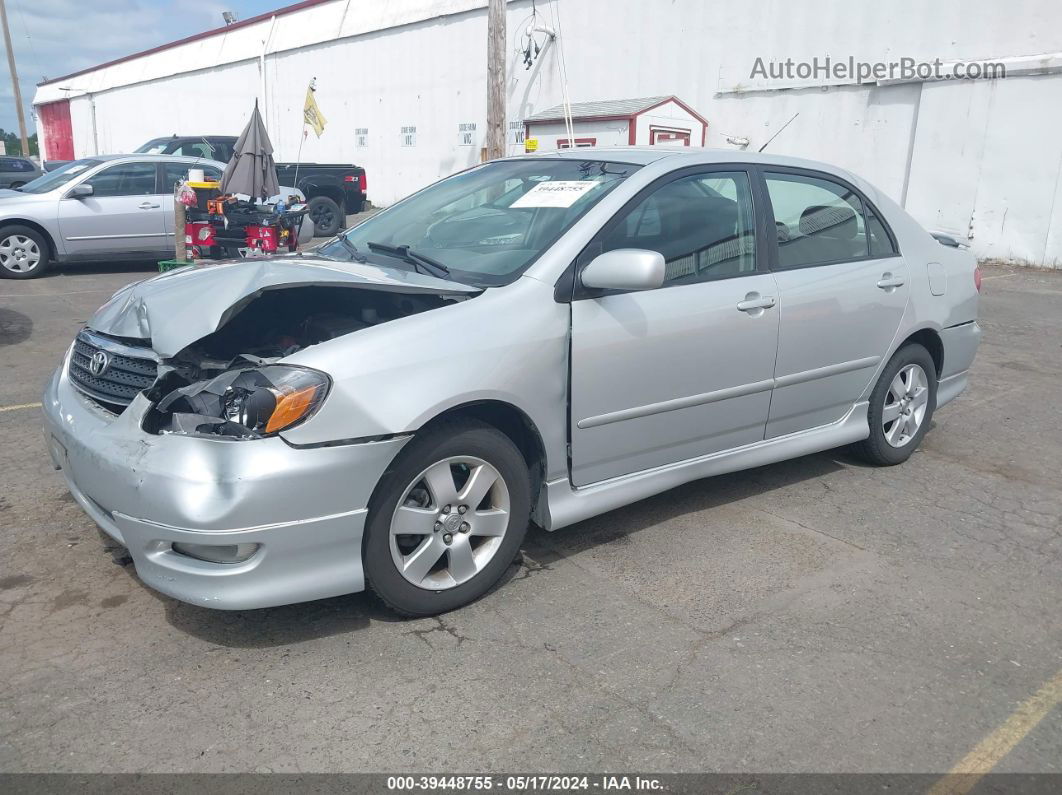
pixel 244 404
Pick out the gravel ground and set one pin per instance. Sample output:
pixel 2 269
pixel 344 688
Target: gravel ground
pixel 814 615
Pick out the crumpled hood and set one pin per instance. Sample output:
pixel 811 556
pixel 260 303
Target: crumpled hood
pixel 177 308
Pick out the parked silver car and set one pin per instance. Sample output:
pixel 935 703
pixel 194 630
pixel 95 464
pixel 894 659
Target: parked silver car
pixel 99 208
pixel 537 339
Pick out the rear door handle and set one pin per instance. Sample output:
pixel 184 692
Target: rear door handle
pixel 889 282
pixel 755 301
pixel 149 206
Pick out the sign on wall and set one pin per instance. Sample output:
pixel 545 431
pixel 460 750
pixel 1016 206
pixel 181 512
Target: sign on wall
pixel 361 137
pixel 516 132
pixel 466 134
pixel 409 136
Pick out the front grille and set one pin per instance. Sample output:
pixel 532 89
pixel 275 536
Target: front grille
pixel 127 372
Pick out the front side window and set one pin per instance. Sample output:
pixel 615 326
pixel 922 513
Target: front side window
pixel 819 221
pixel 127 179
pixel 702 224
pixel 487 224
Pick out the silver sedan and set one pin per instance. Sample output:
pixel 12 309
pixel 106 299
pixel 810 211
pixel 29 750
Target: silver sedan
pixel 100 208
pixel 534 340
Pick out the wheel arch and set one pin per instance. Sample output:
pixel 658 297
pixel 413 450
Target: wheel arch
pixel 520 428
pixel 36 227
pixel 929 338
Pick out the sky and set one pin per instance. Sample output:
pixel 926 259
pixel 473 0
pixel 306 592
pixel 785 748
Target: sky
pixel 52 38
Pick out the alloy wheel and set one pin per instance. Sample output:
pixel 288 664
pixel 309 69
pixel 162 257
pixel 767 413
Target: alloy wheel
pixel 905 405
pixel 19 254
pixel 450 523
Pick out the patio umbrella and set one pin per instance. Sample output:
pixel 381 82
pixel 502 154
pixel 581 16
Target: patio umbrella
pixel 252 170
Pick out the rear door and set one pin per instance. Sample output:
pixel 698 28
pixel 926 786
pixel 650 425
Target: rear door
pixel 122 216
pixel 842 290
pixel 684 370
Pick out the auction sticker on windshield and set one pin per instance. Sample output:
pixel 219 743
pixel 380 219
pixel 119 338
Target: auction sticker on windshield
pixel 556 193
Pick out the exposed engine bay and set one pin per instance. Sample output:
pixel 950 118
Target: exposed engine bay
pixel 229 384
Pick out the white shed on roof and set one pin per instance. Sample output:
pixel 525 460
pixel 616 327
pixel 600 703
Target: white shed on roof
pixel 660 121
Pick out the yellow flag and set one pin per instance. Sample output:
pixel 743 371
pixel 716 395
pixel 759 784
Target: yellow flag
pixel 312 115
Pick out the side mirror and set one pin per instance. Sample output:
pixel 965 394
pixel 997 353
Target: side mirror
pixel 625 269
pixel 80 191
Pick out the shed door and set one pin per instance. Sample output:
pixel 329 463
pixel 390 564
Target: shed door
pixel 58 132
pixel 663 137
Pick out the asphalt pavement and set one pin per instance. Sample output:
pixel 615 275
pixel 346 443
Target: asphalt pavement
pixel 814 615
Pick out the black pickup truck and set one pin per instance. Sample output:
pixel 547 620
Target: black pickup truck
pixel 333 190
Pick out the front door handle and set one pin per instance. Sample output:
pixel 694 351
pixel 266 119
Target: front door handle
pixel 755 303
pixel 889 282
pixel 148 206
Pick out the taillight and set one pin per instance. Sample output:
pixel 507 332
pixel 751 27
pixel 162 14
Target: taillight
pixel 977 279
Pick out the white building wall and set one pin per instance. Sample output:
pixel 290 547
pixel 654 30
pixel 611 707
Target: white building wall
pixel 982 157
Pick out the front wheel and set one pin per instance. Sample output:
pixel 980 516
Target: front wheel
pixel 447 519
pixel 24 253
pixel 901 407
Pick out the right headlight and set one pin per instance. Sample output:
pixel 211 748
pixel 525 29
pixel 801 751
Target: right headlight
pixel 245 404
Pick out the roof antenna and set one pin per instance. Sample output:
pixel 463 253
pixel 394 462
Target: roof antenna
pixel 779 131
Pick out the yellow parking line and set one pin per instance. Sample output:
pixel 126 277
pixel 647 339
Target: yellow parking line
pixel 987 754
pixel 21 406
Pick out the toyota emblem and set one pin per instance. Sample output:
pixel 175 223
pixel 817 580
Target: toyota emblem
pixel 99 363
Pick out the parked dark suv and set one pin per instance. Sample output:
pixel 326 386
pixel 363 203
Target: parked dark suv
pixel 17 171
pixel 333 190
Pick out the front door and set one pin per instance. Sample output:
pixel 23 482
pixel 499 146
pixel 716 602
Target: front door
pixel 122 216
pixel 684 370
pixel 842 290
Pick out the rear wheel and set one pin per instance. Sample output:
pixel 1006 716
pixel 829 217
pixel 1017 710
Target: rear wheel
pixel 24 253
pixel 901 407
pixel 326 216
pixel 447 519
pixel 17 185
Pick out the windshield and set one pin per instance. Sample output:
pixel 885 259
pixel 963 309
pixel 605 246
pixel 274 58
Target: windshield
pixel 154 147
pixel 59 177
pixel 484 225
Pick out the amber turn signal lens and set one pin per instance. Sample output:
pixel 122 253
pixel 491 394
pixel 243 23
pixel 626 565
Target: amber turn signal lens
pixel 292 407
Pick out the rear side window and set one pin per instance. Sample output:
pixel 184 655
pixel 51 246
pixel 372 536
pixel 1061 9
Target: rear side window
pixel 702 224
pixel 819 221
pixel 15 164
pixel 172 173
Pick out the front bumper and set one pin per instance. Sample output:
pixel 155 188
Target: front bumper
pixel 305 508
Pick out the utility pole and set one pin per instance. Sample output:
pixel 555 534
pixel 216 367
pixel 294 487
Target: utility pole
pixel 495 79
pixel 14 81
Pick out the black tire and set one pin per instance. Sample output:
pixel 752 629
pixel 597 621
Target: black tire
pixel 876 449
pixel 326 215
pixel 15 185
pixel 446 440
pixel 45 254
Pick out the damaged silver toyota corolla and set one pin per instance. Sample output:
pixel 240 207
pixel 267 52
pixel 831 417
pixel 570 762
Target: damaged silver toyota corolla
pixel 534 340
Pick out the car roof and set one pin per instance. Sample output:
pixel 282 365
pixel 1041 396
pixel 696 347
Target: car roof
pixel 644 155
pixel 160 158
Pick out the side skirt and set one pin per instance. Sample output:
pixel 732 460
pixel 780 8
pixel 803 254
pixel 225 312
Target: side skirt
pixel 568 505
